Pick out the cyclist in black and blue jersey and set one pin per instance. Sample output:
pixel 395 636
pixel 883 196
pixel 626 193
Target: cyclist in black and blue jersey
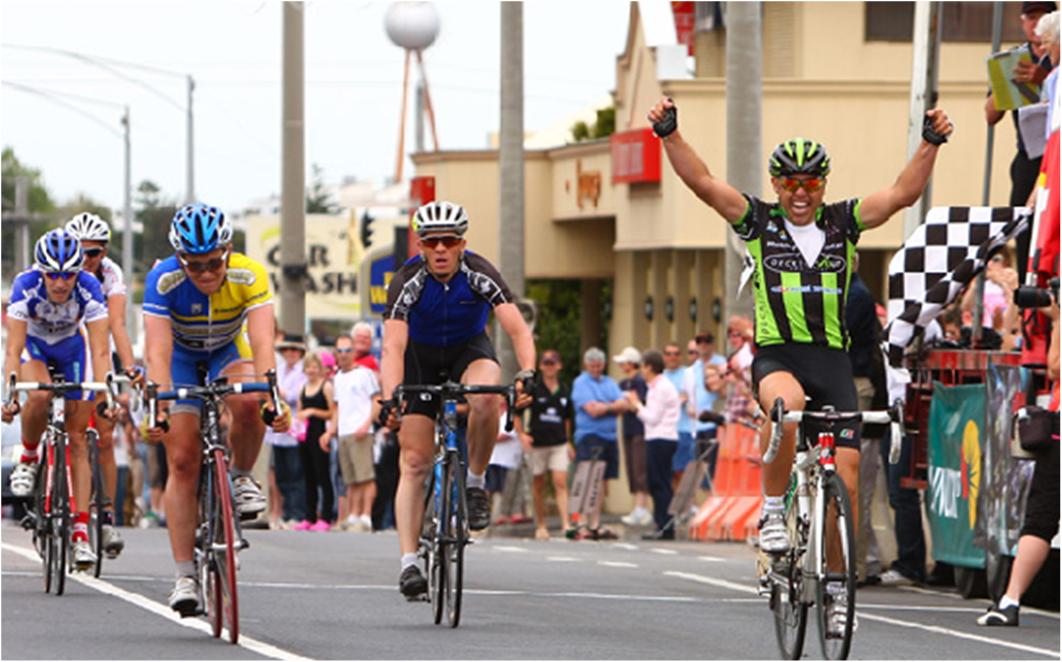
pixel 802 250
pixel 438 304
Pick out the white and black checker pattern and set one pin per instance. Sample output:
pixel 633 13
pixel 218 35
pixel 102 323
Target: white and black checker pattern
pixel 937 261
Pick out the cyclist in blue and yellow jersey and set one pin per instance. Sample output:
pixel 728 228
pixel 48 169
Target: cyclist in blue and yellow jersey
pixel 802 250
pixel 49 304
pixel 208 312
pixel 438 304
pixel 94 235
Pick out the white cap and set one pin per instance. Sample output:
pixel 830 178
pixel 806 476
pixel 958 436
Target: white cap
pixel 628 355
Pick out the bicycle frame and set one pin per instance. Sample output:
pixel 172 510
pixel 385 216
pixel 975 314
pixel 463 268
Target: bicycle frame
pixel 811 467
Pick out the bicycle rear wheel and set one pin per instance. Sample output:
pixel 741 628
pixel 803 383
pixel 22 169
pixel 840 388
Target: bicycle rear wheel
pixel 59 521
pixel 96 503
pixel 787 600
pixel 443 528
pixel 458 537
pixel 837 591
pixel 223 548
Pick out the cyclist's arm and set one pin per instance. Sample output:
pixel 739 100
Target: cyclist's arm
pixel 116 317
pixel 719 195
pixel 395 339
pixel 100 348
pixel 158 350
pixel 260 333
pixel 16 342
pixel 878 207
pixel 513 323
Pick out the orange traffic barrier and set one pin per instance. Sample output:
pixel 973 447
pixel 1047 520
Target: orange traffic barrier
pixel 735 502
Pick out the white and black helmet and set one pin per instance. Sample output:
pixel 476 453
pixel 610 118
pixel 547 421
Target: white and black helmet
pixel 440 216
pixel 87 226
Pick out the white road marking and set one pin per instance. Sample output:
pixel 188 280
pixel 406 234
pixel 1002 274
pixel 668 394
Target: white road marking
pixel 986 603
pixel 251 644
pixel 509 548
pixel 722 583
pixel 711 559
pixel 663 550
pixel 625 545
pixel 561 559
pixel 618 564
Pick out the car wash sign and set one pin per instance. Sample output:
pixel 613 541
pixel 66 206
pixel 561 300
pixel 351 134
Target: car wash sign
pixel 956 429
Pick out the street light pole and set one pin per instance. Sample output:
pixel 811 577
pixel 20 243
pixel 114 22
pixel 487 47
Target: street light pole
pixel 293 176
pixel 127 230
pixel 190 155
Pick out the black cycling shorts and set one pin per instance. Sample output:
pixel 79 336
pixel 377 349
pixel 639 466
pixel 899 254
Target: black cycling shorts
pixel 1041 509
pixel 824 373
pixel 426 364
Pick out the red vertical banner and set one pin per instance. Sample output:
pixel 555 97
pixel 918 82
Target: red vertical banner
pixel 685 23
pixel 421 192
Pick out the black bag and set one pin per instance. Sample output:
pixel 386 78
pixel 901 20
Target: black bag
pixel 1037 429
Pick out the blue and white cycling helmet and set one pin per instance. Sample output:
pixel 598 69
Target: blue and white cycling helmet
pixel 199 228
pixel 58 251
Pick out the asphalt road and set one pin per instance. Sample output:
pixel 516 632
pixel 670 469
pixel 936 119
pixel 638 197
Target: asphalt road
pixel 334 596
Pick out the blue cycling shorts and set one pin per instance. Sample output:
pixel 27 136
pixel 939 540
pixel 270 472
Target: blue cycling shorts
pixel 69 354
pixel 186 365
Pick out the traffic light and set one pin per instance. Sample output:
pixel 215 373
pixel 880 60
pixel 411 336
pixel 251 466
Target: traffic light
pixel 366 229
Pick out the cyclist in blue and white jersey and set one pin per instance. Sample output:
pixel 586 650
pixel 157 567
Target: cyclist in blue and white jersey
pixel 438 304
pixel 207 310
pixel 94 235
pixel 48 305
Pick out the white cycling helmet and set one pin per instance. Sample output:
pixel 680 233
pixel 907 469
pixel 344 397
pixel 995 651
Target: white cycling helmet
pixel 87 226
pixel 440 216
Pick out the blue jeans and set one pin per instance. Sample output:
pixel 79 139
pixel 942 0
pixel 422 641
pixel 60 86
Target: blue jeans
pixel 291 481
pixel 907 507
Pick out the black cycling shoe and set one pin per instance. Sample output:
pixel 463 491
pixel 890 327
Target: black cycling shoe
pixel 412 583
pixel 478 508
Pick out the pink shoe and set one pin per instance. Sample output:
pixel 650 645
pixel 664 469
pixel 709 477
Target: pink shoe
pixel 321 525
pixel 301 526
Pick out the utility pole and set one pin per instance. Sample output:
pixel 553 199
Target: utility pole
pixel 293 177
pixel 744 99
pixel 511 168
pixel 127 229
pixel 21 219
pixel 925 48
pixel 189 186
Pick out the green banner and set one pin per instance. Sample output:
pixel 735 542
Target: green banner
pixel 956 430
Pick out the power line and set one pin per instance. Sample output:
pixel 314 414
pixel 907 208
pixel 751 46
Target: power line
pixel 55 97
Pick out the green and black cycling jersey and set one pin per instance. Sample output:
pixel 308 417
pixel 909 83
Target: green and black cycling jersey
pixel 797 302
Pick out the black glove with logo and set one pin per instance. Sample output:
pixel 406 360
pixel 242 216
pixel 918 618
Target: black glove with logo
pixel 667 126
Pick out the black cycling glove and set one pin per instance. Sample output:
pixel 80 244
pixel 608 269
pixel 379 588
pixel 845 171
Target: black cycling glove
pixel 667 126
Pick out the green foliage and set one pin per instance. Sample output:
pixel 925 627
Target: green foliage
pixel 559 324
pixel 154 212
pixel 603 127
pixel 318 199
pixel 40 201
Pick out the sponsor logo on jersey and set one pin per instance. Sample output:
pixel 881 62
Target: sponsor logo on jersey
pixel 168 282
pixel 805 289
pixel 794 262
pixel 241 276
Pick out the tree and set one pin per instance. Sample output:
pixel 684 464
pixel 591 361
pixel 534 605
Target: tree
pixel 604 126
pixel 318 199
pixel 155 213
pixel 40 206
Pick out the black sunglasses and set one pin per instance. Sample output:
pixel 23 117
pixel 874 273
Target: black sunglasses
pixel 93 252
pixel 432 242
pixel 199 266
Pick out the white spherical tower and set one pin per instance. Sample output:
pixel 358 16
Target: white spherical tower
pixel 413 27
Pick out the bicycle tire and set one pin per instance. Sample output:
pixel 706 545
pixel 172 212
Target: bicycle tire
pixel 443 524
pixel 225 559
pixel 96 503
pixel 459 537
pixel 835 494
pixel 42 535
pixel 209 578
pixel 60 520
pixel 787 602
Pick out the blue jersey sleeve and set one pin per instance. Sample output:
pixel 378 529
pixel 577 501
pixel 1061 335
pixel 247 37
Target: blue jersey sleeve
pixel 19 305
pixel 155 302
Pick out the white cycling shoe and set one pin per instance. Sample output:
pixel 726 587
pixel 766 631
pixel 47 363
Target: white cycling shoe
pixel 774 536
pixel 112 541
pixel 23 478
pixel 184 598
pixel 249 498
pixel 84 557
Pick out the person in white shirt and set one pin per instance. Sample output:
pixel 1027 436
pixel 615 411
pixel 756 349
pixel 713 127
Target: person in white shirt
pixel 660 414
pixel 356 390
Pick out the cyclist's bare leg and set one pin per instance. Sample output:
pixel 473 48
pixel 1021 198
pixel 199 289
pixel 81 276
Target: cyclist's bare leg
pixel 108 466
pixel 414 461
pixel 34 417
pixel 77 418
pixel 483 412
pixel 779 385
pixel 248 429
pixel 183 458
pixel 848 470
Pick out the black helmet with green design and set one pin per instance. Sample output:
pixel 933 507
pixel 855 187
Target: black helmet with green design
pixel 799 156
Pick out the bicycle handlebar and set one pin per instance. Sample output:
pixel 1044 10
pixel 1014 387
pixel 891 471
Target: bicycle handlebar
pixel 108 387
pixel 779 416
pixel 453 389
pixel 216 389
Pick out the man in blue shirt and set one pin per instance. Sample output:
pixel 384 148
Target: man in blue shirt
pixel 597 399
pixel 700 398
pixel 677 375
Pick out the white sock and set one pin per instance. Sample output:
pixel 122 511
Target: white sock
pixel 185 569
pixel 773 504
pixel 408 560
pixel 1006 601
pixel 476 480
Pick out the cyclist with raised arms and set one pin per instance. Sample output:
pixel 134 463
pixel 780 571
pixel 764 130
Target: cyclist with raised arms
pixel 803 251
pixel 438 304
pixel 208 312
pixel 48 305
pixel 94 235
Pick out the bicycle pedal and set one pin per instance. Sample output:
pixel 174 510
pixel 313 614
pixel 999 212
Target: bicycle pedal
pixel 243 544
pixel 28 522
pixel 423 597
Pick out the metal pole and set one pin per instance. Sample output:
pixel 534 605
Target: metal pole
pixel 924 48
pixel 293 177
pixel 189 186
pixel 511 166
pixel 127 227
pixel 744 99
pixel 23 256
pixel 418 125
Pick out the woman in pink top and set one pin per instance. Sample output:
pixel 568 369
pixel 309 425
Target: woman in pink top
pixel 660 414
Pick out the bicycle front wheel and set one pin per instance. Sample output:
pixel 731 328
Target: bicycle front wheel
pixel 59 521
pixel 96 504
pixel 787 598
pixel 223 548
pixel 458 534
pixel 836 591
pixel 441 560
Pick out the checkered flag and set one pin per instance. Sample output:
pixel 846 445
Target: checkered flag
pixel 937 261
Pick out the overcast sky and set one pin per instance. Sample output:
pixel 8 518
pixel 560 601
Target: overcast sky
pixel 233 49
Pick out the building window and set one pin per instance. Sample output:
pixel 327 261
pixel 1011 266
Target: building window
pixel 963 21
